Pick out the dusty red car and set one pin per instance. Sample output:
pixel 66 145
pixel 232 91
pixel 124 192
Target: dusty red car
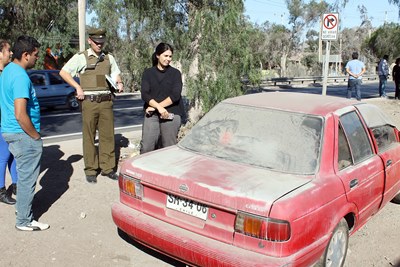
pixel 270 179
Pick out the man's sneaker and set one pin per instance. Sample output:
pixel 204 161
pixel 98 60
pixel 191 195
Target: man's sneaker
pixel 112 175
pixel 91 179
pixel 33 226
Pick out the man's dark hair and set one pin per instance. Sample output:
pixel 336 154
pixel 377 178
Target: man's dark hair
pixel 24 44
pixel 354 55
pixel 386 57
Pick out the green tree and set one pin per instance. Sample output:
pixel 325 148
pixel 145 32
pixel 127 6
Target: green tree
pixel 385 41
pixel 134 28
pixel 301 14
pixel 396 2
pixel 52 23
pixel 210 40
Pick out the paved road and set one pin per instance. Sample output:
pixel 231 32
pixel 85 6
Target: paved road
pixel 128 109
pixel 369 89
pixel 62 123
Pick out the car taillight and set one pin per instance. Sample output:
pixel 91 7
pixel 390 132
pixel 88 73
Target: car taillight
pixel 261 227
pixel 130 186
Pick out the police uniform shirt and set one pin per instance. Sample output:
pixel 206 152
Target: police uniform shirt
pixel 77 64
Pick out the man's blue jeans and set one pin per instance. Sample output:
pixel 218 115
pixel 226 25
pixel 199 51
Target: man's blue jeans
pixel 27 153
pixel 356 85
pixel 382 85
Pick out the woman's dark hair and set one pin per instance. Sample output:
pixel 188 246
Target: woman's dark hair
pixel 24 44
pixel 3 44
pixel 161 48
pixel 398 60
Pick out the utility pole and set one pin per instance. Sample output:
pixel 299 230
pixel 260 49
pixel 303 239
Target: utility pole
pixel 326 68
pixel 82 23
pixel 320 40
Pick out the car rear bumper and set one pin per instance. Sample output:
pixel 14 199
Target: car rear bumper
pixel 185 245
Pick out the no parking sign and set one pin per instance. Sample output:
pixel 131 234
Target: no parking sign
pixel 330 23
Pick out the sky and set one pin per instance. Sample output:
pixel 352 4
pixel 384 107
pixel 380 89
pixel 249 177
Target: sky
pixel 275 12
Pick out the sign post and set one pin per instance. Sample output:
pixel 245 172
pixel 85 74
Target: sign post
pixel 329 29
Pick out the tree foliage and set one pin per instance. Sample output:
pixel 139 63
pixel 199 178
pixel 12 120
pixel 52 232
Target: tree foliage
pixel 215 45
pixel 209 37
pixel 52 23
pixel 385 41
pixel 396 2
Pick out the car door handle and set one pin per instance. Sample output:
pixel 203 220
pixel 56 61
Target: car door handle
pixel 388 163
pixel 353 183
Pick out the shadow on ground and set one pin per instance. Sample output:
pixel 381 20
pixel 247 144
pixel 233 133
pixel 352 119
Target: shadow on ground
pixel 149 251
pixel 58 172
pixel 54 182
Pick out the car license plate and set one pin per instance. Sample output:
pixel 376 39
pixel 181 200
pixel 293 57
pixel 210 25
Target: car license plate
pixel 187 206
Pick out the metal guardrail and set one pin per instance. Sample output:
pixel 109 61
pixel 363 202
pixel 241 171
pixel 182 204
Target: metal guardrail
pixel 313 79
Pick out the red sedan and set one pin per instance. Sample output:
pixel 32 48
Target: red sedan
pixel 270 179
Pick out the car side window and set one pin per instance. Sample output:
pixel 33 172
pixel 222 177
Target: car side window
pixel 38 79
pixel 360 145
pixel 344 155
pixel 385 136
pixel 55 78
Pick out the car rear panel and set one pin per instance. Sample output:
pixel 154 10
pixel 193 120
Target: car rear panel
pixel 224 187
pixel 187 246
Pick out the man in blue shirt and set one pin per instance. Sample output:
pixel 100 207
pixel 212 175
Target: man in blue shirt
pixel 20 121
pixel 355 68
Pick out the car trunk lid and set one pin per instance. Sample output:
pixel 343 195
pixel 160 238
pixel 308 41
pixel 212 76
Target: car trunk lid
pixel 222 186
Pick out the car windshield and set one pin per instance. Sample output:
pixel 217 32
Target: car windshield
pixel 277 140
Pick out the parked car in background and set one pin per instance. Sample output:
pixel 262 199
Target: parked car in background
pixel 52 90
pixel 269 179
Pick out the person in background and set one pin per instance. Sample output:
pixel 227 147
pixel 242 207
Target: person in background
pixel 50 61
pixel 161 92
pixel 396 78
pixel 20 119
pixel 383 72
pixel 6 158
pixel 97 103
pixel 355 68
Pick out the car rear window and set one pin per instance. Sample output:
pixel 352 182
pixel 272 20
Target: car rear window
pixel 273 139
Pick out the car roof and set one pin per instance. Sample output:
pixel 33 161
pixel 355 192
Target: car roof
pixel 295 102
pixel 29 71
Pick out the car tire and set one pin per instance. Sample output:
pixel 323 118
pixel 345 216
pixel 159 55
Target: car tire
pixel 396 199
pixel 73 103
pixel 336 251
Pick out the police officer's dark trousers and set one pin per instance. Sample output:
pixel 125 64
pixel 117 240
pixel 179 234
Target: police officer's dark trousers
pixel 98 116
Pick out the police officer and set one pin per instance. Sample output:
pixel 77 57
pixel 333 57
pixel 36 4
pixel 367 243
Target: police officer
pixel 96 97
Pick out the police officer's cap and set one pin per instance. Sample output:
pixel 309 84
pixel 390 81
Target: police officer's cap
pixel 97 34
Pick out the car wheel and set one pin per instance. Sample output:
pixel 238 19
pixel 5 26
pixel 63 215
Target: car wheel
pixel 336 251
pixel 396 199
pixel 73 102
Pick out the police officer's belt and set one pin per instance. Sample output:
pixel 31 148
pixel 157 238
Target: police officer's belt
pixel 99 98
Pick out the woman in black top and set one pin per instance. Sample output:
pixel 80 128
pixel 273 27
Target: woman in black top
pixel 161 91
pixel 396 78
